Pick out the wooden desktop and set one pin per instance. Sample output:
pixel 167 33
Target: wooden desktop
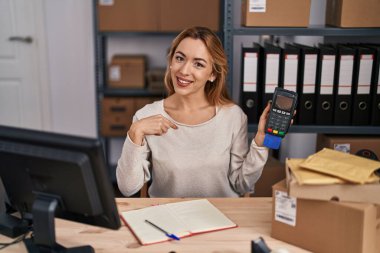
pixel 253 215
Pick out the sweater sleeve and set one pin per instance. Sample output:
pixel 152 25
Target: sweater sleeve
pixel 246 164
pixel 133 167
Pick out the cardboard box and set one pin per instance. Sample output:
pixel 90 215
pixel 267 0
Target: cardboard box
pixel 285 13
pixel 325 226
pixel 342 192
pixel 115 126
pixel 128 15
pixel 127 71
pixel 365 146
pixel 353 13
pixel 176 15
pixel 157 15
pixel 273 172
pixel 118 106
pixel 155 79
pixel 116 116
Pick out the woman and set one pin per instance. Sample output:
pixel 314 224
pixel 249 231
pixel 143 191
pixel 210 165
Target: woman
pixel 194 142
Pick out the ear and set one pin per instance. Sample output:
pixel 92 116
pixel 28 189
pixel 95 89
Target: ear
pixel 212 77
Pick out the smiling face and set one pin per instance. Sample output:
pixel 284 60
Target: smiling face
pixel 191 67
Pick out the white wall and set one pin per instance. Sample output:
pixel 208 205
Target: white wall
pixel 71 67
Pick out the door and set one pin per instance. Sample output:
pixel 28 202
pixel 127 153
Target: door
pixel 24 99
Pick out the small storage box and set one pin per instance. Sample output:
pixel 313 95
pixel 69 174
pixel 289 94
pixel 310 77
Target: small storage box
pixel 276 13
pixel 127 71
pixel 353 13
pixel 116 116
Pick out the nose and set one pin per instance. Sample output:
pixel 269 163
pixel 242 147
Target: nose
pixel 185 68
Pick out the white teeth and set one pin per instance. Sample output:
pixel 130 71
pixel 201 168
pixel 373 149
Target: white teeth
pixel 183 81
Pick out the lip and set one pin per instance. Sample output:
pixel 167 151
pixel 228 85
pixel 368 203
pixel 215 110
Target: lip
pixel 181 82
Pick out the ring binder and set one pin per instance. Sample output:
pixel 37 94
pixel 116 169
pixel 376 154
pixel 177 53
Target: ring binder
pixel 344 70
pixel 250 79
pixel 325 85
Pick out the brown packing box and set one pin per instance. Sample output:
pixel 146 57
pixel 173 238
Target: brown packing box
pixel 115 126
pixel 117 114
pixel 155 79
pixel 353 13
pixel 366 146
pixel 127 71
pixel 157 15
pixel 342 192
pixel 325 226
pixel 286 13
pixel 128 15
pixel 273 172
pixel 118 106
pixel 176 15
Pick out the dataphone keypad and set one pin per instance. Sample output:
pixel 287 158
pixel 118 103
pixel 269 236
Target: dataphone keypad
pixel 278 121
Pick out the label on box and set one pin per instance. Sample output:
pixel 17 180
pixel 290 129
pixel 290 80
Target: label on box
pixel 257 5
pixel 115 73
pixel 285 208
pixel 343 147
pixel 106 2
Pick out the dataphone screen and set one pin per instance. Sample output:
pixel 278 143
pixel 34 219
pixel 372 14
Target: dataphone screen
pixel 284 103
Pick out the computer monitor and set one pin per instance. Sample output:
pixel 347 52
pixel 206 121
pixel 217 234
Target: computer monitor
pixel 47 175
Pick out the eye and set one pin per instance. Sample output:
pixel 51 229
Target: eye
pixel 199 65
pixel 179 58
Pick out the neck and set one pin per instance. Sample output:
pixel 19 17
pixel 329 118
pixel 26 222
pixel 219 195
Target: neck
pixel 190 103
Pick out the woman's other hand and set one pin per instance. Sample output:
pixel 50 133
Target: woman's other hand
pixel 153 125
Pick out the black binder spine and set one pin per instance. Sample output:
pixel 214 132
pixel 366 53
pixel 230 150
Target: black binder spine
pixel 375 85
pixel 362 85
pixel 249 82
pixel 325 85
pixel 271 58
pixel 290 61
pixel 343 85
pixel 307 73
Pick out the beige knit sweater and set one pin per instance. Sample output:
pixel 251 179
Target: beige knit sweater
pixel 212 159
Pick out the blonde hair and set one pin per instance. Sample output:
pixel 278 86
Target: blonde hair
pixel 216 91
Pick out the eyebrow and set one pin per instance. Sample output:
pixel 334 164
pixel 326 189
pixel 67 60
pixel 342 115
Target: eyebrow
pixel 197 59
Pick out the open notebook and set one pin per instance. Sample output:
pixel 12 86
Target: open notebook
pixel 181 218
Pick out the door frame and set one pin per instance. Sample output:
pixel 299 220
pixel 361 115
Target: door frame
pixel 43 66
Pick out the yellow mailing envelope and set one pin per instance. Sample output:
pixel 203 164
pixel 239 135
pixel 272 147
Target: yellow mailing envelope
pixel 309 177
pixel 349 167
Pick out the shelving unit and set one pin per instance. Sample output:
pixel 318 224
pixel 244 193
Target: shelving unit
pixel 230 31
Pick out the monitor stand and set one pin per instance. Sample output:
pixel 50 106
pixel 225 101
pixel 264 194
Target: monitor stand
pixel 43 241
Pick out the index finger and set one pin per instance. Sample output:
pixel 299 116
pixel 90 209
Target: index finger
pixel 171 124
